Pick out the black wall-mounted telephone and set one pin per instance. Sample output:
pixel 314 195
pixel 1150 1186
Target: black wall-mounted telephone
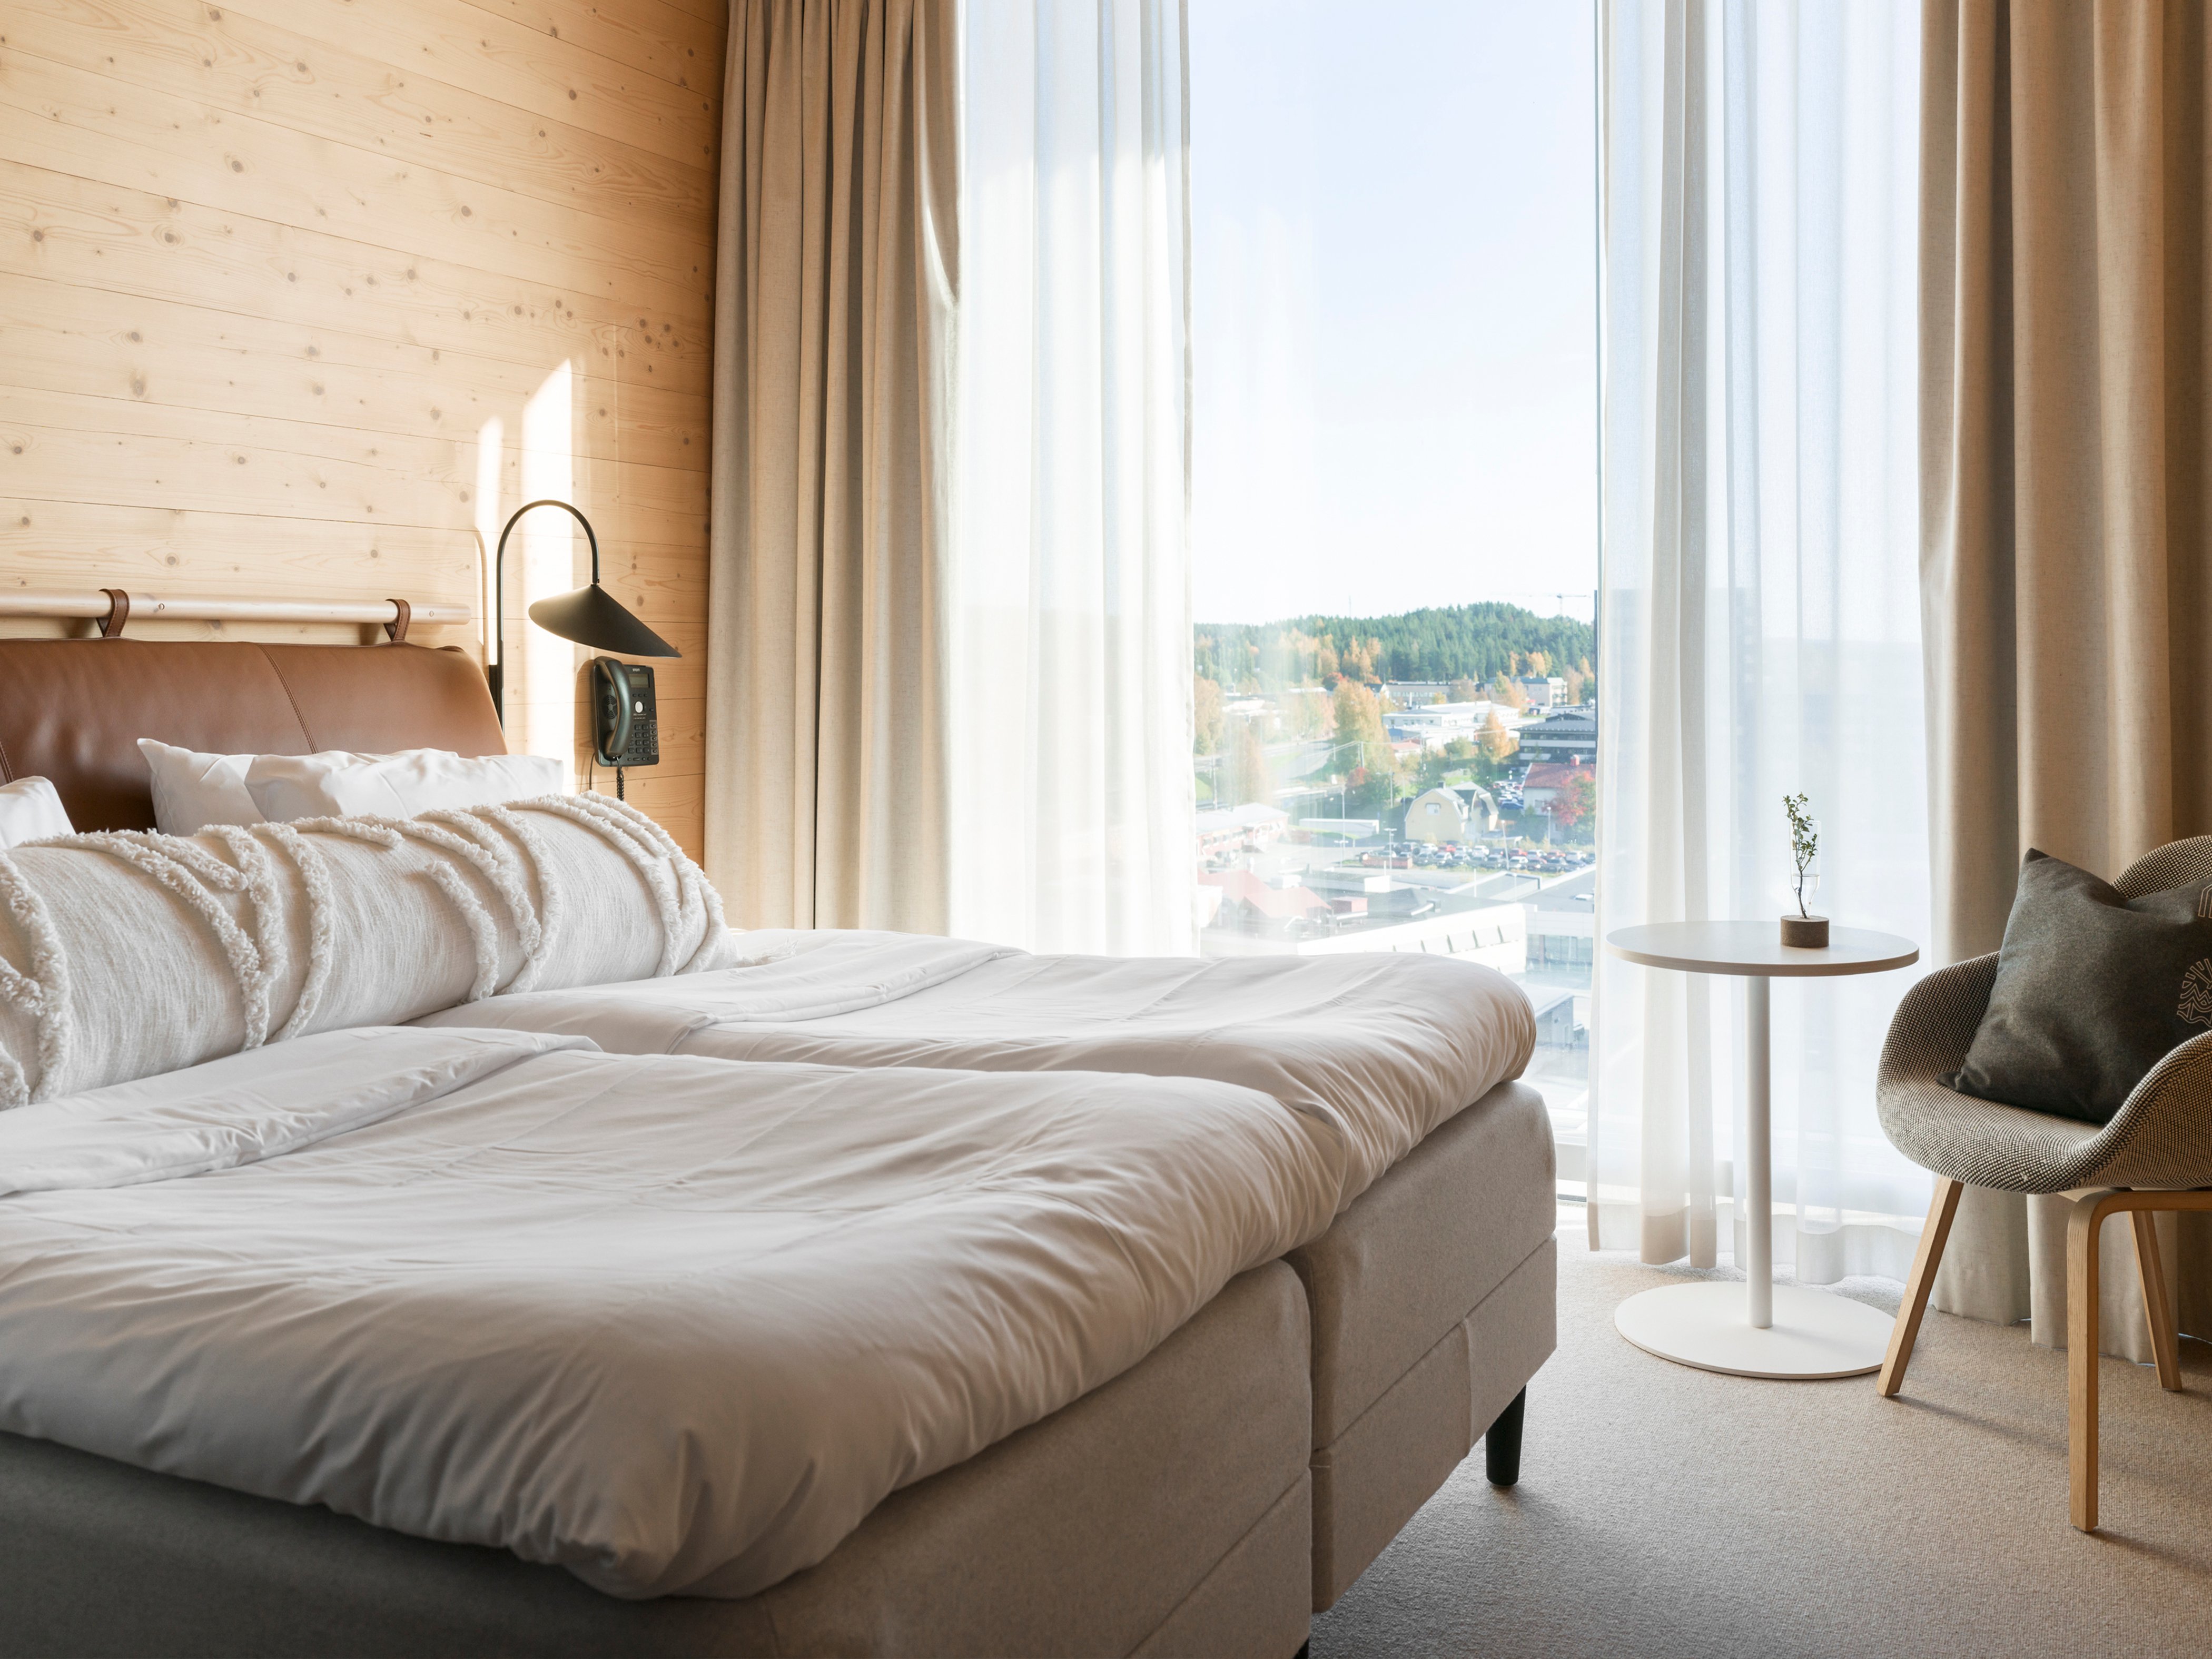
pixel 625 720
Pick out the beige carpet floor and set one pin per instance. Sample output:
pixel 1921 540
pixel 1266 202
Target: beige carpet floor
pixel 1665 1511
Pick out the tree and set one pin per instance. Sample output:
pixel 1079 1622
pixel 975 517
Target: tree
pixel 1305 713
pixel 1576 680
pixel 1245 764
pixel 1497 743
pixel 1372 766
pixel 1509 693
pixel 1469 641
pixel 1206 716
pixel 1458 755
pixel 1466 691
pixel 1359 716
pixel 1575 805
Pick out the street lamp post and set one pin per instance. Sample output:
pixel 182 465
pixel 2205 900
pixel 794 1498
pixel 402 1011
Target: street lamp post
pixel 1343 804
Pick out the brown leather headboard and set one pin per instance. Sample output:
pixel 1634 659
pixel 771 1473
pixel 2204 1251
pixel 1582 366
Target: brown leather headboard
pixel 73 710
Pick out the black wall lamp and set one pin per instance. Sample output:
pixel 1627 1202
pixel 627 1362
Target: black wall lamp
pixel 589 616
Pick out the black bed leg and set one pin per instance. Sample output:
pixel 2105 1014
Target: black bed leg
pixel 1501 1445
pixel 1305 1651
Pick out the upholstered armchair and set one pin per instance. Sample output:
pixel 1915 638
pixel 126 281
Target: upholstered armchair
pixel 2156 1149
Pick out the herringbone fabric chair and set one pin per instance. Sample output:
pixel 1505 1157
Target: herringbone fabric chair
pixel 2156 1149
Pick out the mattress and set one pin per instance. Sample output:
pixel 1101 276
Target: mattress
pixel 1377 1049
pixel 672 1324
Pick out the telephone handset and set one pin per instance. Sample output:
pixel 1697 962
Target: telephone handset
pixel 625 720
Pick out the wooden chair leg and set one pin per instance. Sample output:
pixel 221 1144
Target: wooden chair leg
pixel 1925 1259
pixel 2083 1327
pixel 2083 1229
pixel 2165 1345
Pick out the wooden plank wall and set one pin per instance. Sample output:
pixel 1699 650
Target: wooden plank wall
pixel 300 298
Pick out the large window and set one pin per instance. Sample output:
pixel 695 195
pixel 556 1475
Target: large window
pixel 1395 505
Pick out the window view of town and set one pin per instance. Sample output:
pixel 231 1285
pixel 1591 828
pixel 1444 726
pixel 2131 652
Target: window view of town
pixel 1420 782
pixel 1394 508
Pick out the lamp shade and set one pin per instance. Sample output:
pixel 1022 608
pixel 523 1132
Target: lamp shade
pixel 592 616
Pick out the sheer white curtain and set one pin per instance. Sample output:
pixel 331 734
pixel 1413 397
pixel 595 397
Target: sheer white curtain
pixel 1759 622
pixel 1068 612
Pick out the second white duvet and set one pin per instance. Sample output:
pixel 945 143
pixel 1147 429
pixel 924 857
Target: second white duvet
pixel 672 1324
pixel 1380 1048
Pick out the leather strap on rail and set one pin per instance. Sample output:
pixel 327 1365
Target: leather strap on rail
pixel 396 629
pixel 118 612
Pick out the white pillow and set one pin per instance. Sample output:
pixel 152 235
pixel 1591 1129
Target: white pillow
pixel 30 809
pixel 192 790
pixel 336 784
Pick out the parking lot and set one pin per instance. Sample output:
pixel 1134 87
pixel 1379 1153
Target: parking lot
pixel 1423 855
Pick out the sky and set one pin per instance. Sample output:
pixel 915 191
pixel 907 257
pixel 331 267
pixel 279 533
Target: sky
pixel 1394 306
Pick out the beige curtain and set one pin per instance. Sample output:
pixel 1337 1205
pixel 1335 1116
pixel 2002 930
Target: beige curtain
pixel 2066 594
pixel 825 799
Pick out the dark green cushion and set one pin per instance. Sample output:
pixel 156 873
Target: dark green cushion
pixel 2091 991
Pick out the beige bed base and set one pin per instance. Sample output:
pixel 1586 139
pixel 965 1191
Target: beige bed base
pixel 1432 1300
pixel 1164 1514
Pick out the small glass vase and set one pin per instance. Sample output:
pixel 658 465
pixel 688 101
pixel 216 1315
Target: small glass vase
pixel 1801 928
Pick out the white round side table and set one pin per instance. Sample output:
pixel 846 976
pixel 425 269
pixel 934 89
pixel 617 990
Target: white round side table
pixel 1759 1329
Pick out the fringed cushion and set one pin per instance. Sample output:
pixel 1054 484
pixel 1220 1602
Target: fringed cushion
pixel 127 954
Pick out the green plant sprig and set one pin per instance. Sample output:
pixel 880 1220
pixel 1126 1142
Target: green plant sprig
pixel 1804 842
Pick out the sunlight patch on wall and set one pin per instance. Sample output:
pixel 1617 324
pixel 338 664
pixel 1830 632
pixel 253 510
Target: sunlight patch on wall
pixel 491 466
pixel 541 673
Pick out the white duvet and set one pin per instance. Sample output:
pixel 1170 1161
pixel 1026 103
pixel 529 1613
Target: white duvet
pixel 1380 1048
pixel 672 1324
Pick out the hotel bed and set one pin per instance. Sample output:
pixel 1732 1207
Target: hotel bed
pixel 1420 1311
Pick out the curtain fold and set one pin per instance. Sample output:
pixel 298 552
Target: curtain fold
pixel 826 800
pixel 1068 596
pixel 2067 590
pixel 1760 624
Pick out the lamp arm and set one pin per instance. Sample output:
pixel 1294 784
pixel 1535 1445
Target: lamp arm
pixel 495 675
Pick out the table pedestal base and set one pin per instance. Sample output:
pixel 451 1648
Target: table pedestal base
pixel 1814 1333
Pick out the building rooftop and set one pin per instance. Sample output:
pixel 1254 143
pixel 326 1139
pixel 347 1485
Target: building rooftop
pixel 1553 775
pixel 1580 720
pixel 1252 815
pixel 1280 903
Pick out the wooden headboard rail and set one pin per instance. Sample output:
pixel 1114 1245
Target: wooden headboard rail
pixel 112 607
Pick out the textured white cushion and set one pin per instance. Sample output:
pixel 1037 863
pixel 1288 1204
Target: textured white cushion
pixel 336 784
pixel 192 790
pixel 124 954
pixel 31 811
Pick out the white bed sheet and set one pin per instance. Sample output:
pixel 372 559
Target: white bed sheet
pixel 1382 1047
pixel 672 1324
